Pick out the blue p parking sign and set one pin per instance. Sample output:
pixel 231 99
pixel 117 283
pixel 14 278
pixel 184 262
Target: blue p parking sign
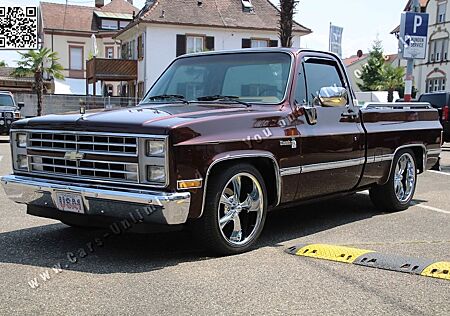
pixel 413 35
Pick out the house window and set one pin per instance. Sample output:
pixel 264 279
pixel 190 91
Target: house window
pixel 442 10
pixel 259 43
pixel 436 84
pixel 194 44
pixel 140 47
pixel 123 24
pixel 75 58
pixel 109 24
pixel 439 50
pixel 109 52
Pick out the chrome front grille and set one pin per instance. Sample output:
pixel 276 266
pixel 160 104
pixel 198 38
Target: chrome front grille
pixel 84 143
pixel 92 169
pixel 98 156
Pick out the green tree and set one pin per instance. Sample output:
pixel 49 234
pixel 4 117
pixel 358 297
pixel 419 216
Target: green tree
pixel 287 10
pixel 38 63
pixel 3 63
pixel 372 72
pixel 393 80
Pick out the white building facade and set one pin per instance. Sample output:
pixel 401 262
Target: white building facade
pixel 156 42
pixel 431 74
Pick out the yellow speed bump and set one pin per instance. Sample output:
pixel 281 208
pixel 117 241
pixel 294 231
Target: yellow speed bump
pixel 440 270
pixel 332 253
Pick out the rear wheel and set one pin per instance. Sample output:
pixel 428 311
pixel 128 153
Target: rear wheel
pixel 235 210
pixel 397 193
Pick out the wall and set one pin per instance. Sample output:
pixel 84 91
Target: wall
pixel 424 69
pixel 160 48
pixel 59 104
pixel 61 43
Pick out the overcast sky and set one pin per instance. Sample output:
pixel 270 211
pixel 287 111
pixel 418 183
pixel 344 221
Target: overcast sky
pixel 362 20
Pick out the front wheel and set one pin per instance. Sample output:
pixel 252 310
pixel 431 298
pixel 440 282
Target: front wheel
pixel 235 210
pixel 397 193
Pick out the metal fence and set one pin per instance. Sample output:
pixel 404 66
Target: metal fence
pixel 61 103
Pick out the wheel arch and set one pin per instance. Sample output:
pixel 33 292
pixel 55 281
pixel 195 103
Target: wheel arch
pixel 420 153
pixel 260 160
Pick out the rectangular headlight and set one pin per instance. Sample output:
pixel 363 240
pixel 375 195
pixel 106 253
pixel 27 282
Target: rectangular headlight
pixel 156 174
pixel 156 148
pixel 21 140
pixel 22 162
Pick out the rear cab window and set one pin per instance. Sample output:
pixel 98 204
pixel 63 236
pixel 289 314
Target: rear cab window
pixel 437 100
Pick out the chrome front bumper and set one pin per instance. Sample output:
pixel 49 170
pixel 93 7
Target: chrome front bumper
pixel 150 206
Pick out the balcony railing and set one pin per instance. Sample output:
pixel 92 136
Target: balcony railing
pixel 104 69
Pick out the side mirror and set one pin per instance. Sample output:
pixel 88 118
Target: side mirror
pixel 333 96
pixel 20 105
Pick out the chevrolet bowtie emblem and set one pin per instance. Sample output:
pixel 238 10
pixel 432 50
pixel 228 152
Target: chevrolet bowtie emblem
pixel 73 155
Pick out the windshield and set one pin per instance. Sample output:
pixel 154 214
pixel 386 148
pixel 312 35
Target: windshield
pixel 6 100
pixel 250 77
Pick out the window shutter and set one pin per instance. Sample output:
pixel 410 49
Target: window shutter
pixel 273 43
pixel 181 44
pixel 209 45
pixel 246 43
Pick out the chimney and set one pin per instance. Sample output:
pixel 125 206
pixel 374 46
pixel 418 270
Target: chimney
pixel 130 1
pixel 99 3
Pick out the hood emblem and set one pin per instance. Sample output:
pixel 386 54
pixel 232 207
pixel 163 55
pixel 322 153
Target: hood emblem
pixel 73 156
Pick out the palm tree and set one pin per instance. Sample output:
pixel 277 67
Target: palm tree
pixel 38 63
pixel 392 79
pixel 287 10
pixel 3 63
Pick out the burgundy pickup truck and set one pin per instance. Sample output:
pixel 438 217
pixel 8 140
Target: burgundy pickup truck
pixel 219 140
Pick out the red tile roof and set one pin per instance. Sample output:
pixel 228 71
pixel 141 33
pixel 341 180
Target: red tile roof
pixel 218 13
pixel 353 59
pixel 57 16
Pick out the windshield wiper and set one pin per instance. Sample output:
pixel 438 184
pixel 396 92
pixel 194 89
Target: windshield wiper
pixel 229 98
pixel 177 97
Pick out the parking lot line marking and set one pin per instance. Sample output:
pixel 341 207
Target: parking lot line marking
pixel 439 172
pixel 440 270
pixel 1 158
pixel 373 259
pixel 430 208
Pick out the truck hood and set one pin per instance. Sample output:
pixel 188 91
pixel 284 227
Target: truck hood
pixel 155 119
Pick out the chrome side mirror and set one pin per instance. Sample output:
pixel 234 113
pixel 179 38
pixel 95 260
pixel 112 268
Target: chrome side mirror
pixel 333 96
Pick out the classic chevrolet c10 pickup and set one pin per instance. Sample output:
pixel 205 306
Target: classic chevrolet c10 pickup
pixel 220 139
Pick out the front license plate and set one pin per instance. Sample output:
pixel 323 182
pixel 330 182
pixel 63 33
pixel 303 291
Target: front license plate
pixel 69 202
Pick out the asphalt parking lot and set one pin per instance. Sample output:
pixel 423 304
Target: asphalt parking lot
pixel 167 273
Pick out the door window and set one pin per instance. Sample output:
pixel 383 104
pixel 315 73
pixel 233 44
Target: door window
pixel 320 74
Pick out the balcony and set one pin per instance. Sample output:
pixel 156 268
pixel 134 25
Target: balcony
pixel 108 70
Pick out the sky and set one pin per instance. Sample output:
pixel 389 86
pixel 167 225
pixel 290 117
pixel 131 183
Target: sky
pixel 362 20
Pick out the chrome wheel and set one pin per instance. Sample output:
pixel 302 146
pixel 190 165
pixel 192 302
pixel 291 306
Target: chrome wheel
pixel 405 178
pixel 240 210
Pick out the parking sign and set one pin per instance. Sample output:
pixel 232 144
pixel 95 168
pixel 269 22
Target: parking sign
pixel 413 35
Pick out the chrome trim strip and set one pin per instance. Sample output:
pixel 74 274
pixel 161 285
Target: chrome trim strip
pixel 50 131
pixel 169 208
pixel 434 151
pixel 238 156
pixel 333 165
pixel 290 171
pixel 382 158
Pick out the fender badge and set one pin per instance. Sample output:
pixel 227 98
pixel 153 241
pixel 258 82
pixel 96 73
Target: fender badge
pixel 292 143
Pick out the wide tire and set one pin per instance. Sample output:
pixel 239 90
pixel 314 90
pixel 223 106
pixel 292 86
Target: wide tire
pixel 235 210
pixel 398 192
